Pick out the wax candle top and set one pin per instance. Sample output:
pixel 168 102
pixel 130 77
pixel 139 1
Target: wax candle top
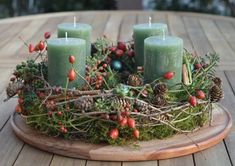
pixel 150 26
pixel 167 41
pixel 64 41
pixel 70 26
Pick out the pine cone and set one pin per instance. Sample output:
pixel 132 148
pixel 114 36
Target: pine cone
pixel 84 104
pixel 159 100
pixel 120 102
pixel 13 88
pixel 217 81
pixel 216 93
pixel 141 106
pixel 134 80
pixel 160 89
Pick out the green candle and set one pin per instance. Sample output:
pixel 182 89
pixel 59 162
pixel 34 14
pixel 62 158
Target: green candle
pixel 77 30
pixel 59 51
pixel 163 54
pixel 143 31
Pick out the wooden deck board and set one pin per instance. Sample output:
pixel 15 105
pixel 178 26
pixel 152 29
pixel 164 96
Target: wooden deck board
pixel 142 163
pixel 181 161
pixel 216 156
pixel 66 161
pixel 227 30
pixel 217 40
pixel 112 26
pixel 98 25
pixel 126 29
pixel 30 156
pixel 204 33
pixel 10 146
pixel 102 163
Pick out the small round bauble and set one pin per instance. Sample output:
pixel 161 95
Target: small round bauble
pixel 116 65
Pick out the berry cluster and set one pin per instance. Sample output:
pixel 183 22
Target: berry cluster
pixel 41 45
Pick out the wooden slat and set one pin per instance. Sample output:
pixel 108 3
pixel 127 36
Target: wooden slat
pixel 180 161
pixel 143 18
pixel 217 40
pixel 15 44
pixel 145 163
pixel 160 17
pixel 229 103
pixel 66 161
pixel 126 29
pixel 98 25
pixel 6 109
pixel 228 31
pixel 102 163
pixel 216 156
pixel 30 156
pixel 112 26
pixel 177 28
pixel 197 35
pixel 10 146
pixel 12 33
pixel 5 74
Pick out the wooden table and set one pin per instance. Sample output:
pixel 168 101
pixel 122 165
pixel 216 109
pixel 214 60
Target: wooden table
pixel 204 33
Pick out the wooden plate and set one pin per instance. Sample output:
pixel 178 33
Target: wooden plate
pixel 176 146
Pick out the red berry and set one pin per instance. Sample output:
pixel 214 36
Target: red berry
pixel 114 133
pixel 119 118
pixel 101 68
pixel 18 109
pixel 136 133
pixel 59 113
pixel 131 53
pixel 131 122
pixel 99 77
pixel 197 66
pixel 135 110
pixel 59 123
pixel 121 46
pixel 113 117
pixel 71 75
pixel 49 113
pixel 41 45
pixel 119 53
pixel 20 101
pixel 31 48
pixel 71 59
pixel 63 129
pixel 200 94
pixel 41 95
pixel 105 65
pixel 193 101
pixel 169 75
pixel 112 49
pixel 47 35
pixel 108 60
pixel 123 122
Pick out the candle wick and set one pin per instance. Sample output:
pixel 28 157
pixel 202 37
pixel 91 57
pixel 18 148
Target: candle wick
pixel 150 21
pixel 66 36
pixel 74 22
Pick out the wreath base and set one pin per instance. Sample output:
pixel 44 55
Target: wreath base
pixel 178 145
